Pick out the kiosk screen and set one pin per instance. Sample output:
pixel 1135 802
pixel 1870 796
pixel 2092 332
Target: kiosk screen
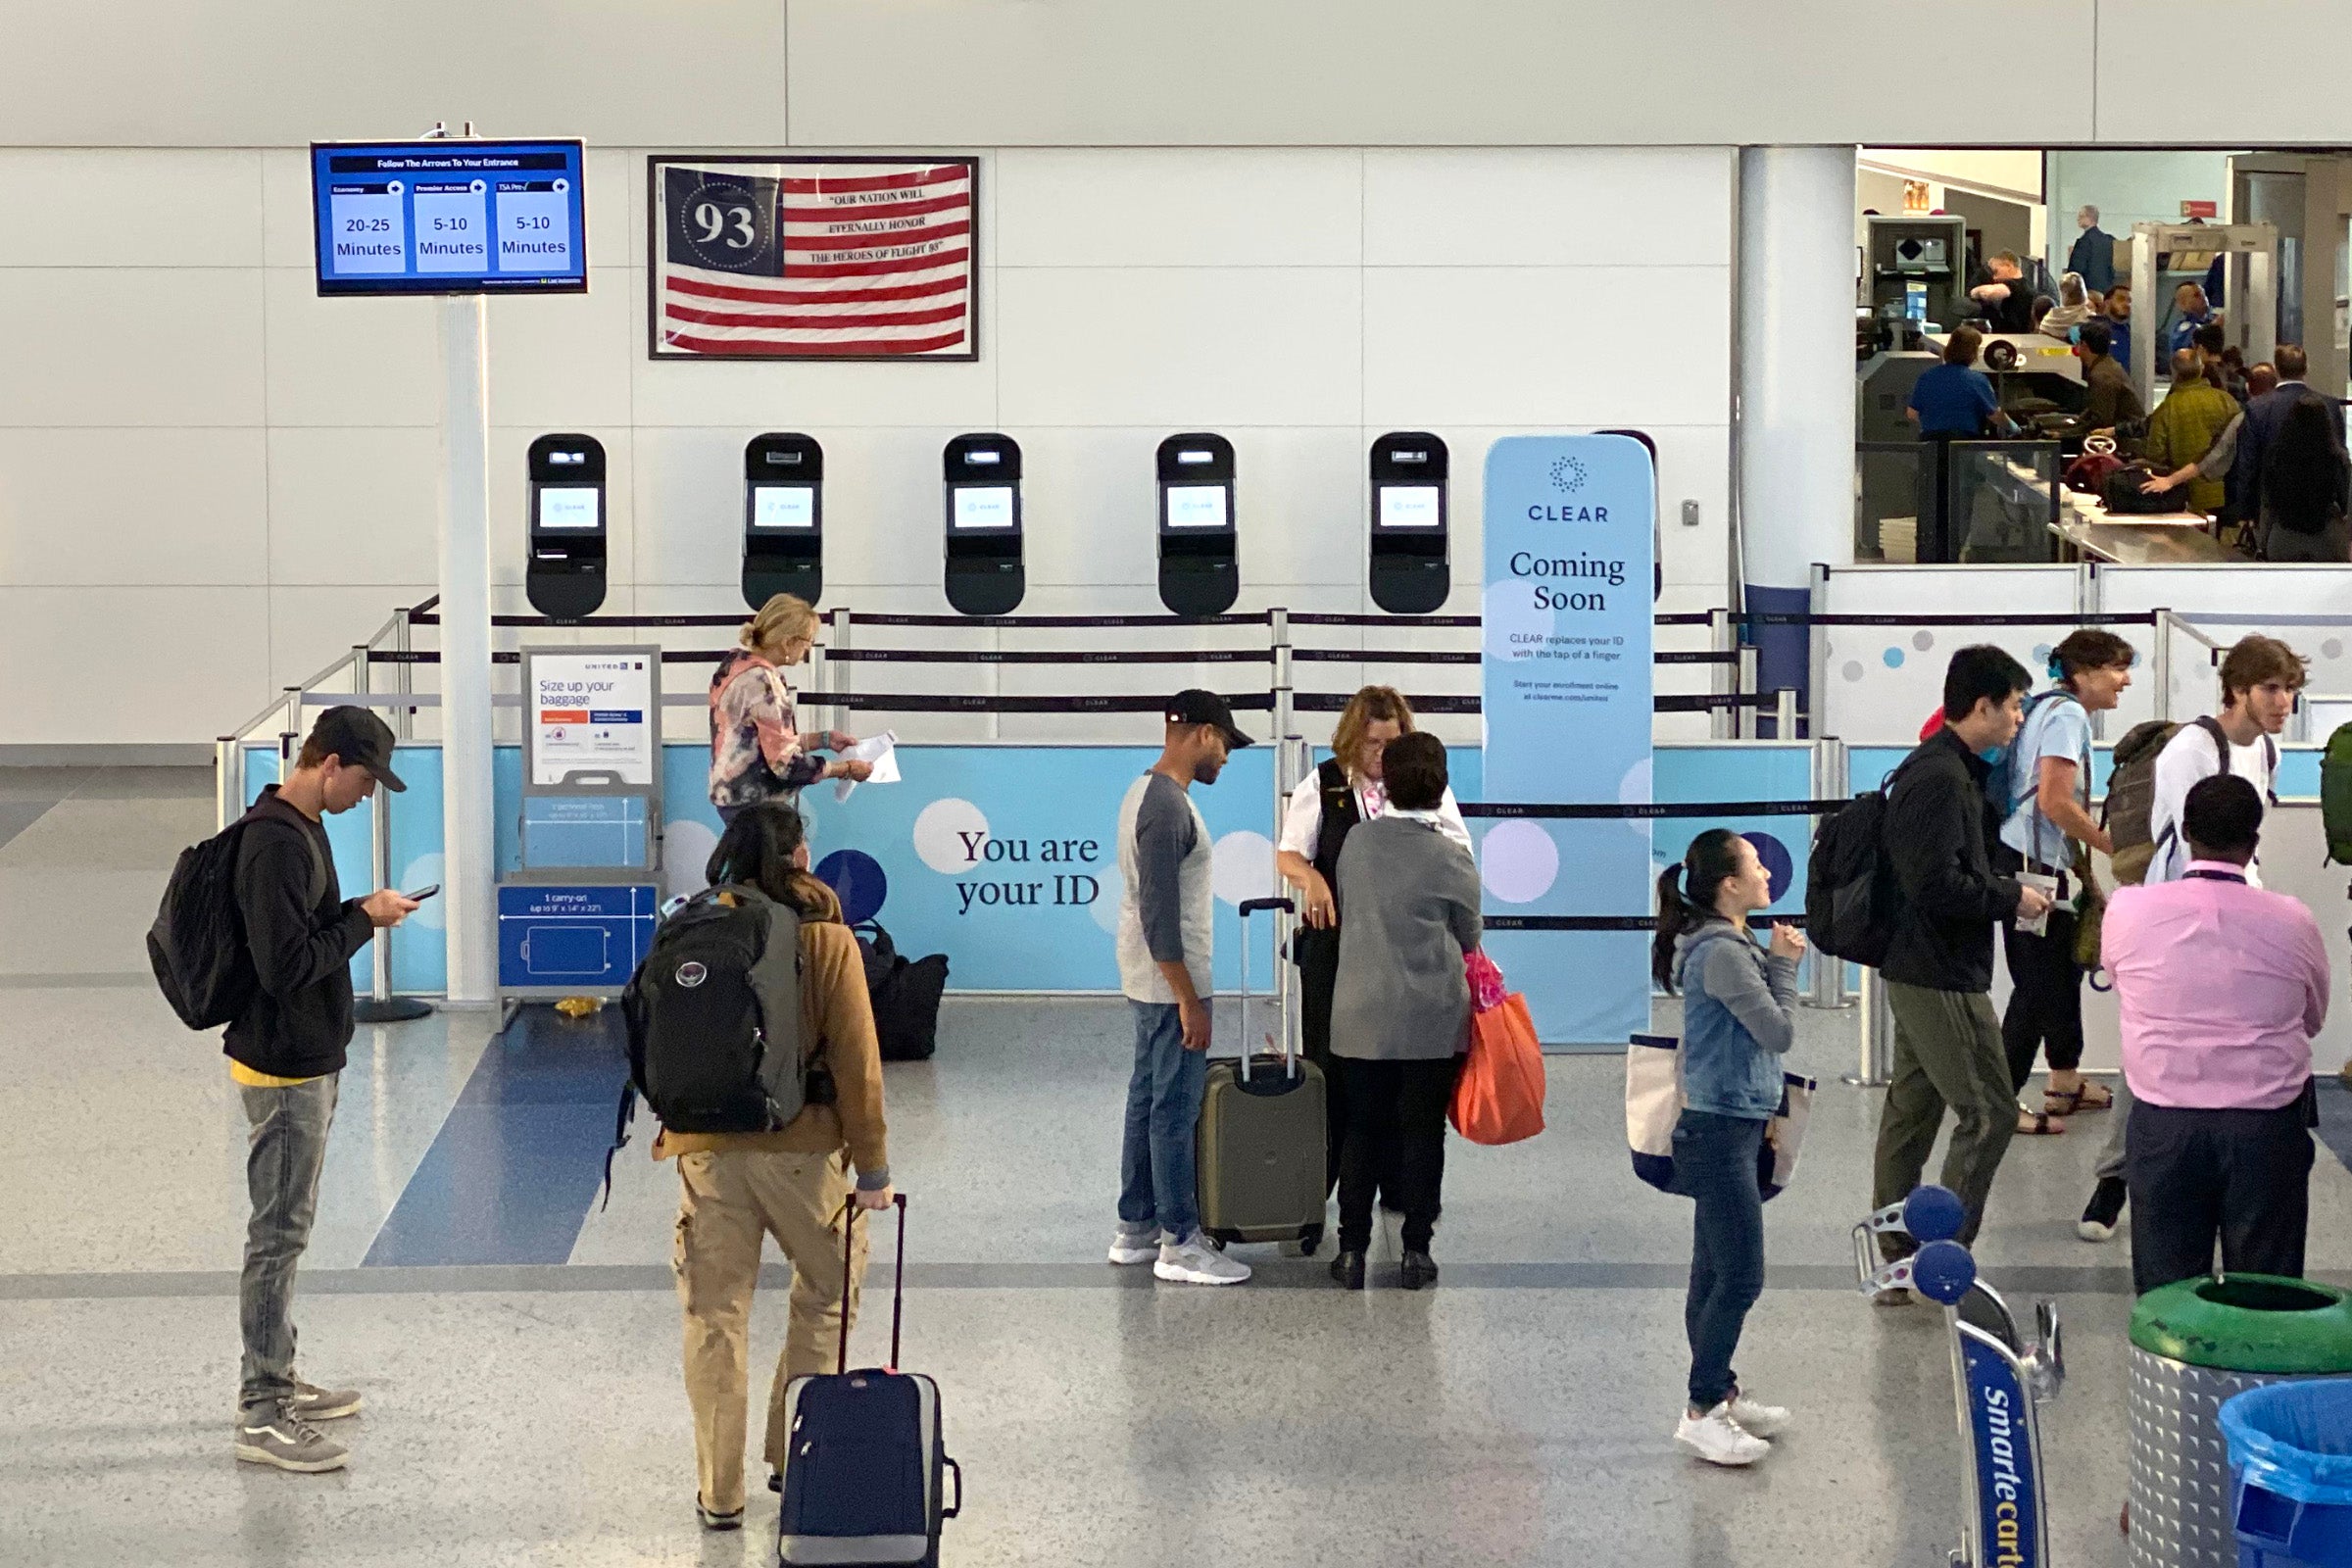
pixel 569 509
pixel 783 506
pixel 1409 506
pixel 1196 505
pixel 984 509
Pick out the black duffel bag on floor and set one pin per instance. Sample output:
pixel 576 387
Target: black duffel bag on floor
pixel 906 995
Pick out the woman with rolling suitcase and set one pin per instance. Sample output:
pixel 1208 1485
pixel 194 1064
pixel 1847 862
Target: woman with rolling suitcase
pixel 1400 1009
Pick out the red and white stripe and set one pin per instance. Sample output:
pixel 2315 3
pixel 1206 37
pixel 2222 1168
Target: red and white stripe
pixel 877 260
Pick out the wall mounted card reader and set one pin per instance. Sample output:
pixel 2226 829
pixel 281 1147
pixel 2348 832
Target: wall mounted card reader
pixel 984 571
pixel 564 576
pixel 1199 574
pixel 783 518
pixel 1412 571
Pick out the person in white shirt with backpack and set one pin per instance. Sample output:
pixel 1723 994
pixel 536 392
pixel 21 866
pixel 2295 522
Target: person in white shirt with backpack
pixel 2261 677
pixel 2047 828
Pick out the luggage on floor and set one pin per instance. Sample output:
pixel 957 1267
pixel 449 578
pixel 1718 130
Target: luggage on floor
pixel 1262 1130
pixel 864 1478
pixel 2335 795
pixel 1499 1094
pixel 906 995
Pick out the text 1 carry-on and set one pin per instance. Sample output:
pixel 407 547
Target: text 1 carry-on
pixel 1262 1131
pixel 864 1477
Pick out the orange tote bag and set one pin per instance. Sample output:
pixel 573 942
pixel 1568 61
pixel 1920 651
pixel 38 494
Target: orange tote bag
pixel 1499 1096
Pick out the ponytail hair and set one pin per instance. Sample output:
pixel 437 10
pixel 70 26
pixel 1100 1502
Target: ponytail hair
pixel 1686 897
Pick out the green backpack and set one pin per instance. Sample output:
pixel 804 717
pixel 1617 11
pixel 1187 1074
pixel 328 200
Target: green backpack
pixel 2335 794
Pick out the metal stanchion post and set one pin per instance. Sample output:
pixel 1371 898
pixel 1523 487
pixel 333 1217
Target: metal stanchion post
pixel 1743 718
pixel 293 719
pixel 380 1005
pixel 228 794
pixel 2162 660
pixel 1827 989
pixel 1723 680
pixel 1876 1066
pixel 1288 754
pixel 405 717
pixel 1784 713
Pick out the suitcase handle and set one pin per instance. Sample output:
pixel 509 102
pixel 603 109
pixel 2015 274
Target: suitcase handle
pixel 958 1508
pixel 1290 1055
pixel 1250 906
pixel 897 1289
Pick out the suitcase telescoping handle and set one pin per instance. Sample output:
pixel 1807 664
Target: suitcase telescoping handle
pixel 897 1285
pixel 1250 906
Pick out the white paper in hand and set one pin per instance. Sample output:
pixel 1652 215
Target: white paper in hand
pixel 882 752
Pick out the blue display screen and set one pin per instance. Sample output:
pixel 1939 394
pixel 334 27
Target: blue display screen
pixel 449 216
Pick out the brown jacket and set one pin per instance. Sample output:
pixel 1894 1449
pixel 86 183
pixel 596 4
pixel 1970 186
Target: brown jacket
pixel 837 1014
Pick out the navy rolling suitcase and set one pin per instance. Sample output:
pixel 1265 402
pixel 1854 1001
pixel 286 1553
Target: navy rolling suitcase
pixel 864 1478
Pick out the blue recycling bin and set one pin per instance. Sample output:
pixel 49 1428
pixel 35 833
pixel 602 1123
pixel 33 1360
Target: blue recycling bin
pixel 2290 1473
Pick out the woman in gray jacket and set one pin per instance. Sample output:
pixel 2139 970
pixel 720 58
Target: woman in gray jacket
pixel 1739 1019
pixel 1400 1007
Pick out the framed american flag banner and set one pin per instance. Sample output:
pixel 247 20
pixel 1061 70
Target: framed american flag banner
pixel 812 257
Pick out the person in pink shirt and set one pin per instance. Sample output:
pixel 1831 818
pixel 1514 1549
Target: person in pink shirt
pixel 2222 986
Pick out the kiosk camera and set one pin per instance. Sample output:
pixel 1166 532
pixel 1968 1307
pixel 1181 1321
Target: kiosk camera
pixel 983 474
pixel 1412 571
pixel 566 574
pixel 1197 573
pixel 783 518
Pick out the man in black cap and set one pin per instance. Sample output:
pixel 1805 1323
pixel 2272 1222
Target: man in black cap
pixel 1167 906
pixel 285 1050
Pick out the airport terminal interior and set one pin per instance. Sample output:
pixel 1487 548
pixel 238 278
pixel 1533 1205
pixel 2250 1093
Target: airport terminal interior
pixel 1040 461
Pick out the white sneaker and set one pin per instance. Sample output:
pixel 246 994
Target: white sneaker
pixel 1135 1246
pixel 1193 1262
pixel 1759 1420
pixel 1718 1438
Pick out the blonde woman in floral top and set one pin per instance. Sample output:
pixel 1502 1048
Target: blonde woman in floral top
pixel 758 752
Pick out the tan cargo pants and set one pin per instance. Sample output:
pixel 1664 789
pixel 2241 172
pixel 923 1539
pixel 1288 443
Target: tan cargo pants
pixel 731 1201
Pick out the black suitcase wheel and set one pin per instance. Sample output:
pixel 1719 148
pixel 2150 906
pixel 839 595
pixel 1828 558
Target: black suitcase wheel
pixel 1309 1239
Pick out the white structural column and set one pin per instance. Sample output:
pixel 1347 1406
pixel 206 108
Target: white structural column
pixel 468 881
pixel 1796 425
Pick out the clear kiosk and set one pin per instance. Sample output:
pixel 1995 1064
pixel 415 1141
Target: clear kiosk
pixel 1199 574
pixel 1411 553
pixel 564 576
pixel 783 518
pixel 984 575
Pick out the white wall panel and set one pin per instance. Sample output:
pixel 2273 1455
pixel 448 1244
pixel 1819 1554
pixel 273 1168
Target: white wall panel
pixel 1547 207
pixel 311 627
pixel 129 346
pixel 2141 43
pixel 354 504
pixel 59 646
pixel 154 208
pixel 187 511
pixel 1164 207
pixel 687 488
pixel 562 362
pixel 1187 347
pixel 349 361
pixel 277 73
pixel 1534 346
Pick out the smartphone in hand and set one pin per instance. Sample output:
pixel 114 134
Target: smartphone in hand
pixel 421 894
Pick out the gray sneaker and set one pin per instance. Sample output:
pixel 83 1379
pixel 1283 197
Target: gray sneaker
pixel 1193 1262
pixel 285 1440
pixel 314 1403
pixel 1137 1246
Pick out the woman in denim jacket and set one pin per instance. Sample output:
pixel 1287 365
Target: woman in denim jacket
pixel 1739 1019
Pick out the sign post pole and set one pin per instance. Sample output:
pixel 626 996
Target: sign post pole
pixel 467 834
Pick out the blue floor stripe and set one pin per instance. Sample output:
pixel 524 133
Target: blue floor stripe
pixel 519 1158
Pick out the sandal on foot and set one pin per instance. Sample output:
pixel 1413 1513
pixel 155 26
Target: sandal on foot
pixel 2071 1102
pixel 2038 1124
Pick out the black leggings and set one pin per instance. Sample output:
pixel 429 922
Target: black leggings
pixel 1395 1141
pixel 2046 1002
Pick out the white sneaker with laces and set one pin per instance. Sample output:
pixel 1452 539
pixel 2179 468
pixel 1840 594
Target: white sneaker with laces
pixel 1135 1246
pixel 1760 1420
pixel 1718 1438
pixel 1193 1262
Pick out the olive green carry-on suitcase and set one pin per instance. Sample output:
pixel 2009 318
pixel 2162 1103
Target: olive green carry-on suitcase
pixel 1260 1140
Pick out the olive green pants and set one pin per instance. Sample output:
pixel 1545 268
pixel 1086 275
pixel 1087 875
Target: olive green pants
pixel 1947 1054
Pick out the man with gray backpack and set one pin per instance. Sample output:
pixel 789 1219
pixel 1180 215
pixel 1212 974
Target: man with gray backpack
pixel 2156 765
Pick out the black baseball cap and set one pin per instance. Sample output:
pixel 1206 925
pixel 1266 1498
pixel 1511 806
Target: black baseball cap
pixel 1197 706
pixel 361 740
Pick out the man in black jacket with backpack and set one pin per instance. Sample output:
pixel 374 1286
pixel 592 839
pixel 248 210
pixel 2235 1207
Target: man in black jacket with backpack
pixel 1938 965
pixel 285 1051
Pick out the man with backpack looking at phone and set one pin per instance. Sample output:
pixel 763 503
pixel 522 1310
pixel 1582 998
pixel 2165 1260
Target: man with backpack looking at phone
pixel 2261 678
pixel 285 1050
pixel 1938 969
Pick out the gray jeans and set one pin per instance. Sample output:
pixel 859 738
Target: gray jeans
pixel 2110 1153
pixel 286 1151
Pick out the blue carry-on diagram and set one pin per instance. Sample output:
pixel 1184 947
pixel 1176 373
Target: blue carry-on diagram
pixel 864 1478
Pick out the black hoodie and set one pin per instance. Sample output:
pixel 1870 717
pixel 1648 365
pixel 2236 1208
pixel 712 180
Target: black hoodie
pixel 301 933
pixel 1937 828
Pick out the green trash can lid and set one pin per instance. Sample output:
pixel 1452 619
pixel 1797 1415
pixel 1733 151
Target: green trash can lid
pixel 2248 1323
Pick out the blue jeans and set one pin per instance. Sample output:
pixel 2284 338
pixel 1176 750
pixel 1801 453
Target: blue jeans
pixel 1715 1162
pixel 285 1153
pixel 1156 1179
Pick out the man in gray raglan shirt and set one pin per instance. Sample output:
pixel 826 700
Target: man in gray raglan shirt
pixel 1166 908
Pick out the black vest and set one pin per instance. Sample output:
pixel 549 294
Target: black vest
pixel 1341 815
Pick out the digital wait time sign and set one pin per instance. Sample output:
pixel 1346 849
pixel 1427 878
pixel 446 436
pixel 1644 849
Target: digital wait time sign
pixel 449 216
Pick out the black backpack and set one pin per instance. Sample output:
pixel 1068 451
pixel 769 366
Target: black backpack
pixel 906 995
pixel 714 1015
pixel 1851 896
pixel 196 945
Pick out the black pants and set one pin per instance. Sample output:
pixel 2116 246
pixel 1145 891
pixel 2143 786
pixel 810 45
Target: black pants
pixel 2244 1176
pixel 1715 1162
pixel 1318 978
pixel 2046 999
pixel 1396 1139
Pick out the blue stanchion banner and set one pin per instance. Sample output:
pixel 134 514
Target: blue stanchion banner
pixel 1568 716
